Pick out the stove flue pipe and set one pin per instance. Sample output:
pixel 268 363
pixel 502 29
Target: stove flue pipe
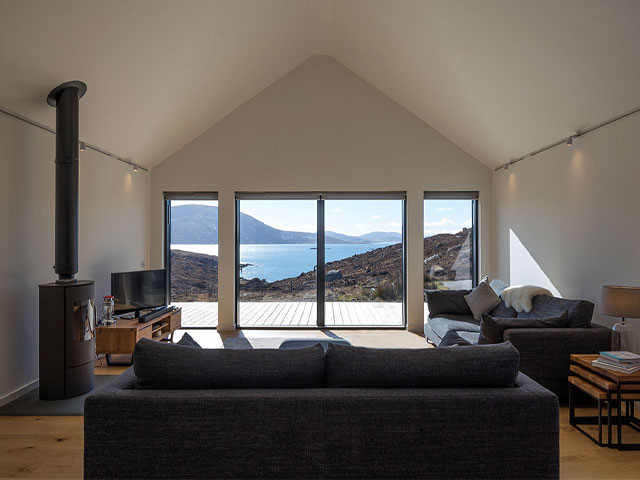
pixel 65 98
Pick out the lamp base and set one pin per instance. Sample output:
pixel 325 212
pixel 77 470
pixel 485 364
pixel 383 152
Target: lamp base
pixel 626 339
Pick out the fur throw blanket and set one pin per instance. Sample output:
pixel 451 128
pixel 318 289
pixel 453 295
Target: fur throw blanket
pixel 520 297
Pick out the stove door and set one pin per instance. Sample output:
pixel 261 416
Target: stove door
pixel 80 324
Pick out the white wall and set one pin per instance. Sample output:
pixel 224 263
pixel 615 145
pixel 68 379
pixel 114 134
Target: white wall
pixel 568 218
pixel 113 235
pixel 321 127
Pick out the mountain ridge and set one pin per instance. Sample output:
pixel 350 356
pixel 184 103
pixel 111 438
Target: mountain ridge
pixel 198 224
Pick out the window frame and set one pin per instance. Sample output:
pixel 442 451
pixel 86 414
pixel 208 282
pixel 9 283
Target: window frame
pixel 167 197
pixel 474 196
pixel 320 197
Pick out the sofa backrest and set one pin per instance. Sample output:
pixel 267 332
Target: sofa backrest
pixel 166 366
pixel 478 366
pixel 580 311
pixel 162 366
pixel 448 302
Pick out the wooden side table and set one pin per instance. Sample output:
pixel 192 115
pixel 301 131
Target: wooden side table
pixel 122 337
pixel 604 386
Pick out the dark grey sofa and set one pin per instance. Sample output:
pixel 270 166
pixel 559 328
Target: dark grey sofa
pixel 378 414
pixel 544 352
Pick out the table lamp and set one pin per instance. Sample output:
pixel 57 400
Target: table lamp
pixel 624 302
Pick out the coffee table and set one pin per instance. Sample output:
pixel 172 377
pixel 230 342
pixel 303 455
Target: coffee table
pixel 604 386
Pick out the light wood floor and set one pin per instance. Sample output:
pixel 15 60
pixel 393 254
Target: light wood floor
pixel 295 314
pixel 51 447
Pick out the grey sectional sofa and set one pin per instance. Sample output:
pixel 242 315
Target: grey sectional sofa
pixel 544 352
pixel 300 413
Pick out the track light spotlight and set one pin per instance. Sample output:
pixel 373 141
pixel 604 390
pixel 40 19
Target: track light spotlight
pixel 570 141
pixel 135 167
pixel 83 147
pixel 506 167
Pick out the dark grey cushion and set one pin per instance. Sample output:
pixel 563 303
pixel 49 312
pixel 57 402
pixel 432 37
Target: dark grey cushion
pixel 503 311
pixel 453 339
pixel 492 329
pixel 308 342
pixel 544 306
pixel 447 301
pixel 188 341
pixel 477 366
pixel 166 366
pixel 482 299
pixel 443 324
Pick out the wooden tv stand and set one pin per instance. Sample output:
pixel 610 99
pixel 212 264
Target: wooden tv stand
pixel 122 337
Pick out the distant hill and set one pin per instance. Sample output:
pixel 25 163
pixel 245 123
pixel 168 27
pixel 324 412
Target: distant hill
pixel 194 224
pixel 198 224
pixel 382 237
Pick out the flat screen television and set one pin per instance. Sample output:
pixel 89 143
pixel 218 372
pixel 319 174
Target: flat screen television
pixel 141 290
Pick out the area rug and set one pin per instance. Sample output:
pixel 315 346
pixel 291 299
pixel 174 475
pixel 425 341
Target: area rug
pixel 30 403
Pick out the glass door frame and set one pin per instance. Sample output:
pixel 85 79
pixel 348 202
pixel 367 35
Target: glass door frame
pixel 320 197
pixel 474 196
pixel 167 198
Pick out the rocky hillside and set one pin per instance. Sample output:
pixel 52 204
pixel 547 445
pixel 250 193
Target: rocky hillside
pixel 367 276
pixel 447 257
pixel 370 276
pixel 194 277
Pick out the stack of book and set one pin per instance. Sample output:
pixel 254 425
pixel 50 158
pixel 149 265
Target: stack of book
pixel 625 362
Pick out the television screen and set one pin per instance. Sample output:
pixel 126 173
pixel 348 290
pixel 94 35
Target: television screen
pixel 135 291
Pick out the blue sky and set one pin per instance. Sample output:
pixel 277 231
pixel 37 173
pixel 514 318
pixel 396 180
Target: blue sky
pixel 353 217
pixel 446 216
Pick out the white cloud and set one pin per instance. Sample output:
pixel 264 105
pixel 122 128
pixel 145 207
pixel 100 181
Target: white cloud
pixel 337 210
pixel 444 225
pixel 466 223
pixel 444 221
pixel 447 209
pixel 376 216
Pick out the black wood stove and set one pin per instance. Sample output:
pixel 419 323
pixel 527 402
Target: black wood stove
pixel 67 306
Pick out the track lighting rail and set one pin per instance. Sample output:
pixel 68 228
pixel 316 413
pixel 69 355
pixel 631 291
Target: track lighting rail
pixel 83 145
pixel 568 140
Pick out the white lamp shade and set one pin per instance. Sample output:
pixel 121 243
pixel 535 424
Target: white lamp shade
pixel 620 301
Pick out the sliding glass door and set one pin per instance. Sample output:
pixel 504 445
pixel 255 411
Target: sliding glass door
pixel 191 256
pixel 356 239
pixel 277 262
pixel 363 262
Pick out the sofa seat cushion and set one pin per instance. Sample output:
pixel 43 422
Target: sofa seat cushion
pixel 543 306
pixel 476 366
pixel 471 337
pixel 443 324
pixel 166 366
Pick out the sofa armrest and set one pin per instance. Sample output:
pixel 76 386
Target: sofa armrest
pixel 544 352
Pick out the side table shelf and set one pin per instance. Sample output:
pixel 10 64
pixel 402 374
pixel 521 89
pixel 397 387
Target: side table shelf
pixel 122 337
pixel 615 389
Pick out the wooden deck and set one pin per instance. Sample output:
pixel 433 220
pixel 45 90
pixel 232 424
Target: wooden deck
pixel 296 314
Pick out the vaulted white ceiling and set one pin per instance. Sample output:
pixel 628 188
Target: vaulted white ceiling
pixel 497 77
